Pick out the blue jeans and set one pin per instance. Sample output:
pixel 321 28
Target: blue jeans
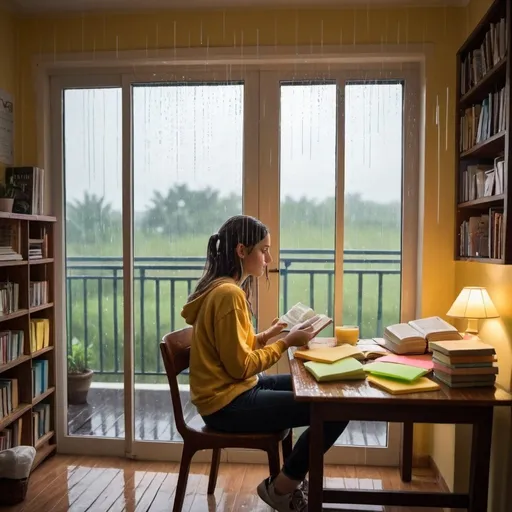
pixel 271 406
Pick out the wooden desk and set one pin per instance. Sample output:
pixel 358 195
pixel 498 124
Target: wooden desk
pixel 359 400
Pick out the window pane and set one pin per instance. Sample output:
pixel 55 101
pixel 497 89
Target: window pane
pixel 188 170
pixel 92 174
pixel 307 186
pixel 373 205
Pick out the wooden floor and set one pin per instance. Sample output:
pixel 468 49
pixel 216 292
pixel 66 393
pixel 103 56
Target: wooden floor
pixel 103 416
pixel 94 484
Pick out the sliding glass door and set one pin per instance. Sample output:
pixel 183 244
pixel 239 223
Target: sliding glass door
pixel 152 165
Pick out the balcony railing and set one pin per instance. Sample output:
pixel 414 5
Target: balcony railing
pixel 371 299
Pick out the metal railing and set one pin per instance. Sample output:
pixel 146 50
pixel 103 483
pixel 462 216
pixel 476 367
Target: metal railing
pixel 162 285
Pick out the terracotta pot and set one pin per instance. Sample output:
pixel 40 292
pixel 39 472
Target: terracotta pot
pixel 78 387
pixel 6 204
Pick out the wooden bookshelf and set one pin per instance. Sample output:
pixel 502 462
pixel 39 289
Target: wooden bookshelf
pixel 483 138
pixel 29 356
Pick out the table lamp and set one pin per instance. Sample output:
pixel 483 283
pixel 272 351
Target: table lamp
pixel 474 304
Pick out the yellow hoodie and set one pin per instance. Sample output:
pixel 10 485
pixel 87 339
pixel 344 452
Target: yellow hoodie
pixel 223 360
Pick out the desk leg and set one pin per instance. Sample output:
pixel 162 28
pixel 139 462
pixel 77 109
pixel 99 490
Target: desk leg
pixel 406 453
pixel 316 461
pixel 480 461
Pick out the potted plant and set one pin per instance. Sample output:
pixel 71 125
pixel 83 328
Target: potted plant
pixel 7 194
pixel 79 376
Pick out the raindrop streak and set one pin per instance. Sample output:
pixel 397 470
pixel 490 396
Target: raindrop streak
pixel 322 37
pixel 438 157
pixel 157 40
pixel 174 39
pixel 447 117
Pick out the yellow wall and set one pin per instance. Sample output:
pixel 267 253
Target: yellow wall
pixel 8 78
pixel 440 26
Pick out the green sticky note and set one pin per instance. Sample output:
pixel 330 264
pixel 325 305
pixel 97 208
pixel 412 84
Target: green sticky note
pixel 395 371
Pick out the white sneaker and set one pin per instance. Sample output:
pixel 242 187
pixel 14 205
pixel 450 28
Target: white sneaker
pixel 293 502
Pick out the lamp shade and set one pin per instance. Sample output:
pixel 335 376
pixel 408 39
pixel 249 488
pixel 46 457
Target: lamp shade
pixel 473 302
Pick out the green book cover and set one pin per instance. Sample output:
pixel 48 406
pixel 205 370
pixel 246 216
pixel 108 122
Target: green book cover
pixel 344 369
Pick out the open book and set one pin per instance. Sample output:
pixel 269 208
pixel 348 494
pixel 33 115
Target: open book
pixel 300 313
pixel 414 337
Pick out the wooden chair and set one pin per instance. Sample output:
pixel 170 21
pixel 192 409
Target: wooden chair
pixel 175 349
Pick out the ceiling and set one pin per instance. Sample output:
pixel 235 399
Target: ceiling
pixel 41 6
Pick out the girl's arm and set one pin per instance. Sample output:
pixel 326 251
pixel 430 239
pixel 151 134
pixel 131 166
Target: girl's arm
pixel 262 338
pixel 234 338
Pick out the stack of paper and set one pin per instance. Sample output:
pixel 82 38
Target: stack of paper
pixel 464 363
pixel 414 337
pixel 344 369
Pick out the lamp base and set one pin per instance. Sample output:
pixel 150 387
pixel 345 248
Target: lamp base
pixel 472 327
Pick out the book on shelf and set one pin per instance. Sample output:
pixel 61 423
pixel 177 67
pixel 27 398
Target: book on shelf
pixel 413 337
pixel 9 297
pixel 482 121
pixel 10 436
pixel 9 397
pixel 28 183
pixel 38 293
pixel 38 244
pixel 11 346
pixel 481 236
pixel 479 180
pixel 483 59
pixel 39 334
pixel 39 377
pixel 41 416
pixel 300 313
pixel 465 363
pixel 10 242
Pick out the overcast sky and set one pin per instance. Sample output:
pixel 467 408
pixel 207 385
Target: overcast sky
pixel 194 135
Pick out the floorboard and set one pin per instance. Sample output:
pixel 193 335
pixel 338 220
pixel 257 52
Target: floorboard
pixel 105 484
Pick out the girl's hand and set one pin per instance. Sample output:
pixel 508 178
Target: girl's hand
pixel 273 331
pixel 300 334
pixel 276 328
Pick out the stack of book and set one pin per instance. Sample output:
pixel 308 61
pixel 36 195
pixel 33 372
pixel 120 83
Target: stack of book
pixel 464 363
pixel 414 337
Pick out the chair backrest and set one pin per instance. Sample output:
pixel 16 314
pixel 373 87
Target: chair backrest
pixel 175 350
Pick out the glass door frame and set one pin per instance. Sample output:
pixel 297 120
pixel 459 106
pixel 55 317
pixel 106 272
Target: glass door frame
pixel 165 450
pixel 57 86
pixel 261 141
pixel 268 303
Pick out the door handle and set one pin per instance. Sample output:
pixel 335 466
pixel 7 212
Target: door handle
pixel 273 271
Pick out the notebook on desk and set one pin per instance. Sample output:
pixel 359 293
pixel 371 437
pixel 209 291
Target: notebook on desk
pixel 329 354
pixel 396 387
pixel 344 369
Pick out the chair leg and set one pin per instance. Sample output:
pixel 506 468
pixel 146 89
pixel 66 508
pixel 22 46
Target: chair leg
pixel 274 465
pixel 179 497
pixel 214 470
pixel 287 445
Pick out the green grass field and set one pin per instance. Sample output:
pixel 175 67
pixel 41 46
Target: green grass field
pixel 157 310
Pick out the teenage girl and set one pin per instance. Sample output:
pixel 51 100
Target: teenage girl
pixel 227 357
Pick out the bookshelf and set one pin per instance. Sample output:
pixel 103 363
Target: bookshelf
pixel 483 140
pixel 27 333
